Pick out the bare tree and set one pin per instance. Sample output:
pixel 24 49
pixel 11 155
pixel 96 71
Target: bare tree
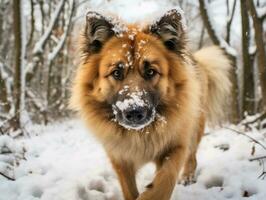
pixel 248 71
pixel 260 43
pixel 17 66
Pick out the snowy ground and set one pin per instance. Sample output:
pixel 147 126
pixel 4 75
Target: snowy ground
pixel 64 162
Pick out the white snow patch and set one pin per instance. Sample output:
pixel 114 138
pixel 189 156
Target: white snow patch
pixel 261 11
pixel 134 100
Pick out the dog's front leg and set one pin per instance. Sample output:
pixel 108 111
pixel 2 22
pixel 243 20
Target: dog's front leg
pixel 126 174
pixel 168 170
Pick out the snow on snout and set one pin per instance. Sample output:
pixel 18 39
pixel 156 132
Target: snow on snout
pixel 134 100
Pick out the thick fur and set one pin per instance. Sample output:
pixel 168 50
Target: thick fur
pixel 189 92
pixel 217 67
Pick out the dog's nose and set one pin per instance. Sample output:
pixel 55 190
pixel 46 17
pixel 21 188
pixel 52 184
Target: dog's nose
pixel 135 115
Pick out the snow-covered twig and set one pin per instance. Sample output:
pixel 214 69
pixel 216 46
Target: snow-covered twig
pixel 257 158
pixel 1 131
pixel 251 138
pixel 258 118
pixel 61 42
pixel 38 48
pixel 263 173
pixel 36 103
pixel 261 158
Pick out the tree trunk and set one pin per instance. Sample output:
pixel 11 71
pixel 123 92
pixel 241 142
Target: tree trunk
pixel 248 72
pixel 3 93
pixel 17 65
pixel 257 23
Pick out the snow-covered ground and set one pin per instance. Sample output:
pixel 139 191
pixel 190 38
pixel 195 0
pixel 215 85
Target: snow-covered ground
pixel 64 162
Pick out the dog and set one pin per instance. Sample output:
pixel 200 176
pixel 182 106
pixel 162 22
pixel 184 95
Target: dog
pixel 146 97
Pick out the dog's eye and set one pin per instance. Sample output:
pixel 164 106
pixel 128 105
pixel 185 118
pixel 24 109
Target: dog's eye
pixel 149 73
pixel 118 74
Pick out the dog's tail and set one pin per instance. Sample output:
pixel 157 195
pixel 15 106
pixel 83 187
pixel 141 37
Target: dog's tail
pixel 217 67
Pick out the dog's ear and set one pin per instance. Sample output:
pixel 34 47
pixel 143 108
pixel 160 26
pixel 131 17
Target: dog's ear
pixel 170 29
pixel 97 31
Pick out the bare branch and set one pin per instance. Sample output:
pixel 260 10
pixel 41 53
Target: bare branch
pixel 1 131
pixel 38 48
pixel 229 22
pixel 32 96
pixel 61 42
pixel 216 39
pixel 32 23
pixel 257 158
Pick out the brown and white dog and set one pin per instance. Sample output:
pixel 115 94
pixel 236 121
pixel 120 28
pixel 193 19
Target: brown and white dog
pixel 146 97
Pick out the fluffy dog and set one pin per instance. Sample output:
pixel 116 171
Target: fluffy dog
pixel 146 97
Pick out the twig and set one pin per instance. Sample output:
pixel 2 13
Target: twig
pixel 7 177
pixel 260 159
pixel 38 48
pixel 1 131
pixel 263 173
pixel 257 158
pixel 251 138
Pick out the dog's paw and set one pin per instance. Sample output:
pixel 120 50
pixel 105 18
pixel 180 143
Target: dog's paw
pixel 187 179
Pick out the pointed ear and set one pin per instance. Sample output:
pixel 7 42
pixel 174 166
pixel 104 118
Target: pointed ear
pixel 170 29
pixel 97 31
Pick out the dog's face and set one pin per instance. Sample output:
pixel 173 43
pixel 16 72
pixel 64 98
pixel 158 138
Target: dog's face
pixel 133 77
pixel 129 71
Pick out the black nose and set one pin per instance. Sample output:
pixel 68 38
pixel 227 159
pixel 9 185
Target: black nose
pixel 135 115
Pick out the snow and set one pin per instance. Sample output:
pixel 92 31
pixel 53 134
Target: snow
pixel 134 100
pixel 64 161
pixel 261 11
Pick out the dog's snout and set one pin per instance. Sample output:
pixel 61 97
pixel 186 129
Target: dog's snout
pixel 135 115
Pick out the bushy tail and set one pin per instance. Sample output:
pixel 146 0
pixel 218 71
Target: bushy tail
pixel 217 67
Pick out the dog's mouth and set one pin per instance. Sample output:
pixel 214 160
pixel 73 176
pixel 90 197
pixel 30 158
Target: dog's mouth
pixel 134 111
